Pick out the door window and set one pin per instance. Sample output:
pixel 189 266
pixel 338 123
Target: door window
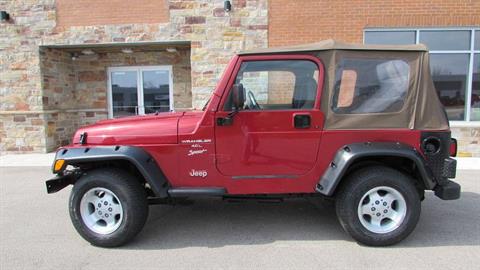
pixel 139 90
pixel 124 93
pixel 156 90
pixel 277 85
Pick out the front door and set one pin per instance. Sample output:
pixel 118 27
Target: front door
pixel 276 133
pixel 139 90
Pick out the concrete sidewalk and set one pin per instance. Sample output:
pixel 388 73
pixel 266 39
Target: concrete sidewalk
pixel 34 160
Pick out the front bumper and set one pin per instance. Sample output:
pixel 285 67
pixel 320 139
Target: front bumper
pixel 59 182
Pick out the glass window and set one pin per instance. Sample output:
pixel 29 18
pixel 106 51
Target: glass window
pixel 124 93
pixel 277 85
pixel 370 86
pixel 475 109
pixel 477 40
pixel 390 37
pixel 449 74
pixel 446 40
pixel 156 90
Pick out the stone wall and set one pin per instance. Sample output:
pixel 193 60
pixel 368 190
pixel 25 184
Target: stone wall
pixel 75 91
pixel 214 34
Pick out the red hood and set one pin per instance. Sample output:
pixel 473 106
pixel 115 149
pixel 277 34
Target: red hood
pixel 144 129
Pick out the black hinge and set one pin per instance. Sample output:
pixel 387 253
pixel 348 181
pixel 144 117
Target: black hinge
pixel 83 138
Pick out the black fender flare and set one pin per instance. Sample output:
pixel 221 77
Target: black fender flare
pixel 137 156
pixel 348 154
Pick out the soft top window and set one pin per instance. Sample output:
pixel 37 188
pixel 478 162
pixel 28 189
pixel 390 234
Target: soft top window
pixel 370 86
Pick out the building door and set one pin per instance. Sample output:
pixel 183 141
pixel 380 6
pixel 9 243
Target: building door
pixel 139 90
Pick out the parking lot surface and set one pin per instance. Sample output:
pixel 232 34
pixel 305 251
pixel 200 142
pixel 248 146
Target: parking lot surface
pixel 36 233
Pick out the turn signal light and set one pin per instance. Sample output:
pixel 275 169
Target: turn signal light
pixel 58 165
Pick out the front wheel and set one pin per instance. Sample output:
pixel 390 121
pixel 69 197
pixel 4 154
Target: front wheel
pixel 108 207
pixel 378 206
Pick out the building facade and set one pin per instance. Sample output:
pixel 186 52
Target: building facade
pixel 68 63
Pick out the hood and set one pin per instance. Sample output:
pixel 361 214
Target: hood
pixel 142 129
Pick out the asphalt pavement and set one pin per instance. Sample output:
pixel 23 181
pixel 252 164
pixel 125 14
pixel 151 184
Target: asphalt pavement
pixel 36 233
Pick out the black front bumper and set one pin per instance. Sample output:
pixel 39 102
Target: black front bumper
pixel 59 182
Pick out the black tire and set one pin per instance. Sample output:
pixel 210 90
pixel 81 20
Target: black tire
pixel 357 185
pixel 131 195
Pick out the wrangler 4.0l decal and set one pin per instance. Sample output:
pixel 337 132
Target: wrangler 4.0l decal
pixel 197 141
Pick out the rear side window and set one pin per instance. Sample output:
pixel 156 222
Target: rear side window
pixel 370 86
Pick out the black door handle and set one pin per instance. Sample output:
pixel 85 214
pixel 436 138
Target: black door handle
pixel 302 121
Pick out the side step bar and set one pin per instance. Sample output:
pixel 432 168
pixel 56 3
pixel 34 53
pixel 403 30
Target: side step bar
pixel 196 192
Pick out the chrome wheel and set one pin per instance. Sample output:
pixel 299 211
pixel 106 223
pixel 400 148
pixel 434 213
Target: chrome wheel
pixel 101 210
pixel 382 210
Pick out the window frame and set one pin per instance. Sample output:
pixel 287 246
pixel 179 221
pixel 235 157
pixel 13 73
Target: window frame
pixel 275 57
pixel 471 52
pixel 140 91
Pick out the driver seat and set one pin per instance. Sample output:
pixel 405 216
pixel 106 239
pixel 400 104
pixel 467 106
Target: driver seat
pixel 304 94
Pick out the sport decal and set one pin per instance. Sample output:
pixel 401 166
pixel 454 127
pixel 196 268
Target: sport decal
pixel 196 152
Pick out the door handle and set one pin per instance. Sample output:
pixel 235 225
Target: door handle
pixel 302 121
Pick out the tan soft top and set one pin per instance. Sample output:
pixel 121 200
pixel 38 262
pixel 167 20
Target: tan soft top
pixel 331 44
pixel 422 108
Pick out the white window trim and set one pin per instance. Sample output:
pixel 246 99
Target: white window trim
pixel 471 52
pixel 140 96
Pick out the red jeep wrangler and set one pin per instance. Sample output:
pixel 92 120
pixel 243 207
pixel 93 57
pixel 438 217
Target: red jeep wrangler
pixel 360 124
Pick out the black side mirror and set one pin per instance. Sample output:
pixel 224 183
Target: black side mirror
pixel 238 96
pixel 238 100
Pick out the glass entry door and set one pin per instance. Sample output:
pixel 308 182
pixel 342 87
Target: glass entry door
pixel 139 90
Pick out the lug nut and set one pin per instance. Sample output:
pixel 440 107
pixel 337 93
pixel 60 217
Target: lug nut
pixel 106 215
pixel 110 209
pixel 378 214
pixel 385 203
pixel 385 211
pixel 373 208
pixel 377 202
pixel 99 205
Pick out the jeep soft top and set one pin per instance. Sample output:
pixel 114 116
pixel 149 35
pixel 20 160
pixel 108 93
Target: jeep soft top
pixel 359 124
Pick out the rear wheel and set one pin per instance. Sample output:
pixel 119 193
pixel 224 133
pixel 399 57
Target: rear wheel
pixel 378 206
pixel 108 207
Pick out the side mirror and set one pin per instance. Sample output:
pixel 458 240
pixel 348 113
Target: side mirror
pixel 238 100
pixel 238 96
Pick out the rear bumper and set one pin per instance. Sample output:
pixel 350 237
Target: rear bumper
pixel 59 182
pixel 447 189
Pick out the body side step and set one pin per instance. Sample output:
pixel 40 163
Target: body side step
pixel 196 192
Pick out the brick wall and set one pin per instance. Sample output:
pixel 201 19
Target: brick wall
pixel 95 12
pixel 303 21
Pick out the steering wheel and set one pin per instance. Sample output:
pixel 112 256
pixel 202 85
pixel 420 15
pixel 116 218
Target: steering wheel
pixel 253 101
